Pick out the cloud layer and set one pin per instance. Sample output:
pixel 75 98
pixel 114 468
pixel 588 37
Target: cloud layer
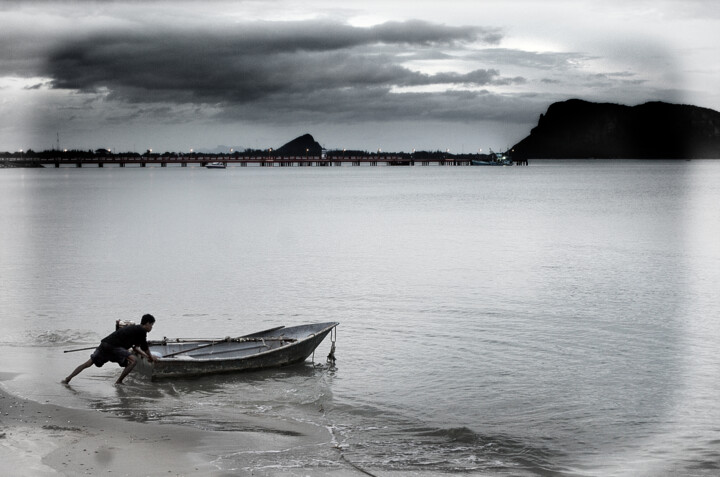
pixel 90 65
pixel 300 67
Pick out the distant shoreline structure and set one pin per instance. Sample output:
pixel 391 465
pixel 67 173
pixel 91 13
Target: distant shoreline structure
pixel 301 151
pixel 572 129
pixel 221 162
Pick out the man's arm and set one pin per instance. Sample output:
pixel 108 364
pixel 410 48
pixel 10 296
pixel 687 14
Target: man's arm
pixel 146 353
pixel 144 348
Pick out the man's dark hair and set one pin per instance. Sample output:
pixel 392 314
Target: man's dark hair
pixel 147 319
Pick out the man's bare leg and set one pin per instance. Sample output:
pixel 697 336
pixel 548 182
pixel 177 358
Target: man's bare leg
pixel 131 364
pixel 77 371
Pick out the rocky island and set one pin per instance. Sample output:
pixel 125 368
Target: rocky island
pixel 577 129
pixel 300 146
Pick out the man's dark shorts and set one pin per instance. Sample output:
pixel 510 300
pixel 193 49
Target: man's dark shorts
pixel 106 352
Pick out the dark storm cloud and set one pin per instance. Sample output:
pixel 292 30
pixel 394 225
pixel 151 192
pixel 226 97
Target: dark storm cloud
pixel 378 104
pixel 261 64
pixel 423 33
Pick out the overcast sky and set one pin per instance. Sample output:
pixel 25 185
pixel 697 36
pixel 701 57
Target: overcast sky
pixel 390 75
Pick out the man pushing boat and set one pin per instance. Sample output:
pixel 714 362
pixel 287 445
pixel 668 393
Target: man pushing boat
pixel 116 348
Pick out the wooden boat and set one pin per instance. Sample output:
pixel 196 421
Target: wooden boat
pixel 275 347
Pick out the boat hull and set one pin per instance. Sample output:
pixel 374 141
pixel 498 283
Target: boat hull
pixel 273 348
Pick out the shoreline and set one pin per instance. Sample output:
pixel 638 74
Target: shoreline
pixel 40 439
pixel 46 439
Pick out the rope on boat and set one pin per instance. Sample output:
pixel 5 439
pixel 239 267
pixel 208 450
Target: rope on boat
pixel 331 355
pixel 329 425
pixel 355 466
pixel 339 448
pixel 342 455
pixel 165 341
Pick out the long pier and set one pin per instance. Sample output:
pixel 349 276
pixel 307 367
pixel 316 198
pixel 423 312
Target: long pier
pixel 240 161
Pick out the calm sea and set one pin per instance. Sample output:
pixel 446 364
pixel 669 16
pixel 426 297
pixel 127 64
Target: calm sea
pixel 556 319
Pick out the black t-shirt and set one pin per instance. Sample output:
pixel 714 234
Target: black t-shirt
pixel 127 337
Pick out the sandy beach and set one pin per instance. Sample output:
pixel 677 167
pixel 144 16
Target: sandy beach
pixel 39 439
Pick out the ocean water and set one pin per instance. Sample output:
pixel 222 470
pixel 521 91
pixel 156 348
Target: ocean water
pixel 557 319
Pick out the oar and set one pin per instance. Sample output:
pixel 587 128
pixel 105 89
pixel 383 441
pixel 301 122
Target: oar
pixel 222 341
pixel 209 340
pixel 81 349
pixel 191 349
pixel 247 340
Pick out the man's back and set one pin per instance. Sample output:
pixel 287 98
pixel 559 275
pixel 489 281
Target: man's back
pixel 127 337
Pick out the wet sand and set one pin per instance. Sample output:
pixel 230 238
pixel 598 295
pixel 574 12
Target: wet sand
pixel 38 439
pixel 44 439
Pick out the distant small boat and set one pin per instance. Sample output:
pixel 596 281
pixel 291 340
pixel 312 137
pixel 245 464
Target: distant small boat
pixel 485 163
pixel 271 348
pixel 216 165
pixel 498 159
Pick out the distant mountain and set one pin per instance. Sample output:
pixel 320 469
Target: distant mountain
pixel 579 129
pixel 300 146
